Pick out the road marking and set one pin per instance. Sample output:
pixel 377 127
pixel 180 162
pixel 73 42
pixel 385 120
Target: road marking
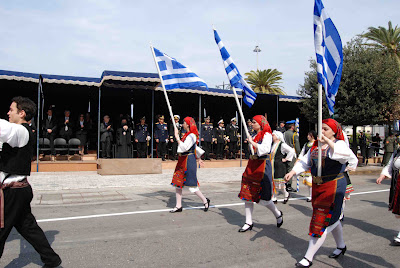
pixel 168 209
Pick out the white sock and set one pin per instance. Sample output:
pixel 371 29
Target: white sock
pixel 398 237
pixel 343 206
pixel 338 236
pixel 248 208
pixel 271 206
pixel 286 193
pixel 310 189
pixel 313 246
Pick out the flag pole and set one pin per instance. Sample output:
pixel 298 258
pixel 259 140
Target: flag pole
pixel 165 91
pixel 243 119
pixel 319 128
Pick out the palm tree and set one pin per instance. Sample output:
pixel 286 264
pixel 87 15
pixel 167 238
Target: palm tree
pixel 266 81
pixel 386 40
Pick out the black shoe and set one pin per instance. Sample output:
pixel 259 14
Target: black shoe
pixel 286 199
pixel 334 256
pixel 290 189
pixel 208 205
pixel 176 210
pixel 52 265
pixel 163 159
pixel 241 230
pixel 275 201
pixel 395 243
pixel 279 224
pixel 301 265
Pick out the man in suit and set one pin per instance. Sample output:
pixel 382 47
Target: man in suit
pixel 50 129
pixel 66 126
pixel 207 135
pixel 106 137
pixel 142 138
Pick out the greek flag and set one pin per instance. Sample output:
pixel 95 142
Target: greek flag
pixel 235 78
pixel 328 47
pixel 176 75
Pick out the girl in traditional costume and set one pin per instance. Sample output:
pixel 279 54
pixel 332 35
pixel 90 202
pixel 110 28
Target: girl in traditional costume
pixel 281 155
pixel 186 168
pixel 306 175
pixel 257 177
pixel 328 190
pixel 391 171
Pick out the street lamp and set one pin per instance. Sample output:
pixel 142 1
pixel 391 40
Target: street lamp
pixel 257 49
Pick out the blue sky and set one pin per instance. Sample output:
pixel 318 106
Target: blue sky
pixel 84 38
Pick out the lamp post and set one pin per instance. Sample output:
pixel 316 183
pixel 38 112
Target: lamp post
pixel 257 49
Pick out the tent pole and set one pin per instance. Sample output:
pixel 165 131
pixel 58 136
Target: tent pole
pixel 152 122
pixel 98 125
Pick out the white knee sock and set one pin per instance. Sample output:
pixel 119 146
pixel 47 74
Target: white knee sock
pixel 313 246
pixel 248 208
pixel 286 193
pixel 271 206
pixel 343 206
pixel 310 190
pixel 338 236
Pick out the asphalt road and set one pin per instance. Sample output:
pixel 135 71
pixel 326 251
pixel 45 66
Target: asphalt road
pixel 148 236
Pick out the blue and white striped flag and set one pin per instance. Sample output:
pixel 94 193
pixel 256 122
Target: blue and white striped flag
pixel 176 75
pixel 328 47
pixel 235 78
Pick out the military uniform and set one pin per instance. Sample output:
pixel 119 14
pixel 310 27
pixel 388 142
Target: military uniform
pixel 219 134
pixel 161 133
pixel 141 135
pixel 292 139
pixel 246 143
pixel 362 142
pixel 232 133
pixel 207 135
pixel 390 145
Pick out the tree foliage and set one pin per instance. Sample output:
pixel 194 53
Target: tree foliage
pixel 368 92
pixel 265 81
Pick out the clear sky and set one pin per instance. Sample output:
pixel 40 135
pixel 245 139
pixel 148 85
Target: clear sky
pixel 84 38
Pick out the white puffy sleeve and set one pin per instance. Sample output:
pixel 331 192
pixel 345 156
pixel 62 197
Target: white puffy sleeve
pixel 199 152
pixel 14 134
pixel 303 163
pixel 187 144
pixel 288 151
pixel 341 152
pixel 353 162
pixel 265 147
pixel 387 170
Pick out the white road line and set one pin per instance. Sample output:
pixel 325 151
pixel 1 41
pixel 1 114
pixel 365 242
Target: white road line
pixel 166 210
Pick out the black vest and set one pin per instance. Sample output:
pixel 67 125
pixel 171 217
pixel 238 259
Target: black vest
pixel 17 161
pixel 280 168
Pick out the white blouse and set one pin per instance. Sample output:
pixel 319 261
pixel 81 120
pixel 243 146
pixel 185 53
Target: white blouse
pixel 188 143
pixel 341 152
pixel 285 150
pixel 265 147
pixel 393 163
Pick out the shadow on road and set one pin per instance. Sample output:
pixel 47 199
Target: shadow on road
pixel 376 203
pixel 232 216
pixel 370 228
pixel 27 253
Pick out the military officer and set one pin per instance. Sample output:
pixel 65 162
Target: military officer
pixel 233 136
pixel 172 139
pixel 207 135
pixel 161 137
pixel 291 139
pixel 219 134
pixel 142 137
pixel 246 141
pixel 390 145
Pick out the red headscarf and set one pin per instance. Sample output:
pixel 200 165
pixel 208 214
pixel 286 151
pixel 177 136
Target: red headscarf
pixel 336 128
pixel 192 128
pixel 262 121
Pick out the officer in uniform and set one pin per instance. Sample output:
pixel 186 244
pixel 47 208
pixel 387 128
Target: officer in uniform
pixel 390 145
pixel 207 135
pixel 161 137
pixel 232 138
pixel 291 139
pixel 219 134
pixel 142 138
pixel 172 139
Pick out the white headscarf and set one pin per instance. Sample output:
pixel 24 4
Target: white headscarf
pixel 279 135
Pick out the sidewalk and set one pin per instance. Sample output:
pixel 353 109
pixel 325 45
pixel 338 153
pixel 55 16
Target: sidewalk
pixel 63 188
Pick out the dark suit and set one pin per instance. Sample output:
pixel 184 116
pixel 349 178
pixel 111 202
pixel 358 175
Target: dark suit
pixel 232 132
pixel 50 124
pixel 106 138
pixel 66 129
pixel 124 143
pixel 219 134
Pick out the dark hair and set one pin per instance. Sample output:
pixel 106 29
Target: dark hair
pixel 313 134
pixel 25 104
